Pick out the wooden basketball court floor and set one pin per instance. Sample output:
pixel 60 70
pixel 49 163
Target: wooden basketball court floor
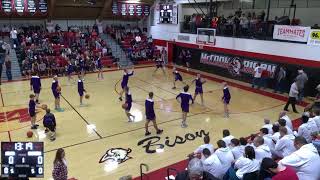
pixel 87 133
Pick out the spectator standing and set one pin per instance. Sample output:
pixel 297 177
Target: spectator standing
pixel 293 96
pixel 14 37
pixel 257 76
pixel 301 81
pixel 60 170
pixel 244 23
pixel 265 75
pixel 3 53
pixel 8 68
pixel 164 55
pixel 280 80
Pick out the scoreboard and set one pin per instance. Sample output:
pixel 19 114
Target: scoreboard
pixel 168 13
pixel 22 159
pixel 130 10
pixel 23 7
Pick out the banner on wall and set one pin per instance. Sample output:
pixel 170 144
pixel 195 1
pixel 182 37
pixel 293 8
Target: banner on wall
pixel 314 37
pixel 291 33
pixel 242 67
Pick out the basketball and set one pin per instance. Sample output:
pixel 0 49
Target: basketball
pixel 124 106
pixel 87 96
pixel 29 134
pixel 44 106
pixel 59 88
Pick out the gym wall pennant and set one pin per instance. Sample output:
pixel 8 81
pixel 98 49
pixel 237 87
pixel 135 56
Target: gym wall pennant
pixel 151 144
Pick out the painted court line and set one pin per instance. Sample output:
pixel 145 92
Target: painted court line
pixel 80 115
pixel 120 133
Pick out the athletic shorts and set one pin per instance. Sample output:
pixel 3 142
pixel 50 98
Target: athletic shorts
pixel 199 90
pixel 37 90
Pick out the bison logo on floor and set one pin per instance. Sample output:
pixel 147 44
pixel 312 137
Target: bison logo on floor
pixel 119 155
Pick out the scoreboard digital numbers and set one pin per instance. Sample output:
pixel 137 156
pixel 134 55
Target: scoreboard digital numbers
pixel 22 159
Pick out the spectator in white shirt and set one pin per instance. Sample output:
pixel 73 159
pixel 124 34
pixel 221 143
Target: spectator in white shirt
pixel 262 150
pixel 212 164
pixel 305 129
pixel 236 148
pixel 138 39
pixel 316 118
pixel 14 37
pixel 247 163
pixel 276 134
pixel 264 132
pixel 305 160
pixel 283 115
pixel 268 125
pixel 285 145
pixel 227 137
pixel 206 144
pixel 293 96
pixel 283 123
pixel 257 76
pixel 224 154
pixel 301 81
pixel 243 144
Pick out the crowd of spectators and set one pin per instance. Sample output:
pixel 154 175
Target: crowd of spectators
pixel 136 44
pixel 280 151
pixel 55 53
pixel 239 24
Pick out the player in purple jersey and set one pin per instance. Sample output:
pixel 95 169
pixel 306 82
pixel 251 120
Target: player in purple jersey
pixel 32 111
pixel 128 102
pixel 226 99
pixel 177 77
pixel 199 89
pixel 150 115
pixel 81 89
pixel 56 93
pixel 35 85
pixel 70 69
pixel 125 81
pixel 184 98
pixel 99 67
pixel 159 65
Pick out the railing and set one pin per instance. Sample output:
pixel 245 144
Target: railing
pixel 258 30
pixel 169 174
pixel 142 174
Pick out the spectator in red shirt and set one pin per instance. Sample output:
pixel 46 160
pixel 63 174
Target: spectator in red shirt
pixel 277 171
pixel 264 78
